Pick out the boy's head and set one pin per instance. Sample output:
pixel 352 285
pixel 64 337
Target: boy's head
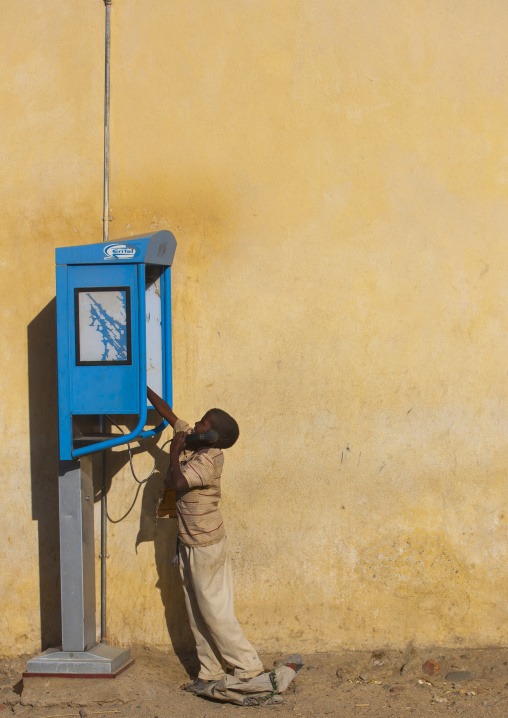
pixel 223 424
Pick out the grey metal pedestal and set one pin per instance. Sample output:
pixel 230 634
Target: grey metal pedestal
pixel 101 661
pixel 80 654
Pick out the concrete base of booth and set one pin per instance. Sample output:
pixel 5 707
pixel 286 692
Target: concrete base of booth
pixel 101 661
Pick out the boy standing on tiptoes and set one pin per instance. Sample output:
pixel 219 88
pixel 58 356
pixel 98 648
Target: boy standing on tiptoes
pixel 205 564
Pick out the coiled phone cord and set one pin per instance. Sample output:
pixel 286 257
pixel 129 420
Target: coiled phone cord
pixel 140 482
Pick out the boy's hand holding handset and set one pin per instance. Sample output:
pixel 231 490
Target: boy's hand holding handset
pixel 177 444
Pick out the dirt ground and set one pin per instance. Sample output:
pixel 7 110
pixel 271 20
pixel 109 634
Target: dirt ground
pixel 377 683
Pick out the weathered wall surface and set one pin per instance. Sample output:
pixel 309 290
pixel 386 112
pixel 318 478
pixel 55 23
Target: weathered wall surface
pixel 336 175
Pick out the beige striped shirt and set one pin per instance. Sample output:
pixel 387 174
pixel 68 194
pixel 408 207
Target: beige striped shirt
pixel 199 519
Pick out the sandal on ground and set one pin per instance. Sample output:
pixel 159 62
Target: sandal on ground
pixel 198 685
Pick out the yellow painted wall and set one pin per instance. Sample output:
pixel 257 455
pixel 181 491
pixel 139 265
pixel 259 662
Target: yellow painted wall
pixel 336 175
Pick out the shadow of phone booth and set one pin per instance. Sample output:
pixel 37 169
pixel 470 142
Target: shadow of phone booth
pixel 114 339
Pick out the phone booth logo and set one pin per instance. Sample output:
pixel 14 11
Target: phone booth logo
pixel 119 251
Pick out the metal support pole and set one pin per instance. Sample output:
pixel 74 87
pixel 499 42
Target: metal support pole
pixel 77 565
pixel 80 655
pixel 105 238
pixel 104 538
pixel 105 212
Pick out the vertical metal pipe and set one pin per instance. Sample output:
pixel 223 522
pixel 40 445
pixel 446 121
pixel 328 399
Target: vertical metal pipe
pixel 105 238
pixel 105 212
pixel 104 537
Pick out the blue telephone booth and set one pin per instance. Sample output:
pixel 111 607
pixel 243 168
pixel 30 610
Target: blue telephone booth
pixel 114 339
pixel 113 333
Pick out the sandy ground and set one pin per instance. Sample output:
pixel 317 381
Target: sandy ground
pixel 369 683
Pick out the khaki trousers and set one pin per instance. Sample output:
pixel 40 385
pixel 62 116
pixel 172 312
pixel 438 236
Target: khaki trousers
pixel 207 580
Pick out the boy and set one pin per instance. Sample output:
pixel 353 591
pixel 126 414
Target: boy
pixel 204 561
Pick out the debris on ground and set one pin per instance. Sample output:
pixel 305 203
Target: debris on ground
pixel 459 676
pixel 430 667
pixel 264 689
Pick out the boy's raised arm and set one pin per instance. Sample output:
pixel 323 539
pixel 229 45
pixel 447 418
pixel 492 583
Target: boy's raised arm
pixel 162 407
